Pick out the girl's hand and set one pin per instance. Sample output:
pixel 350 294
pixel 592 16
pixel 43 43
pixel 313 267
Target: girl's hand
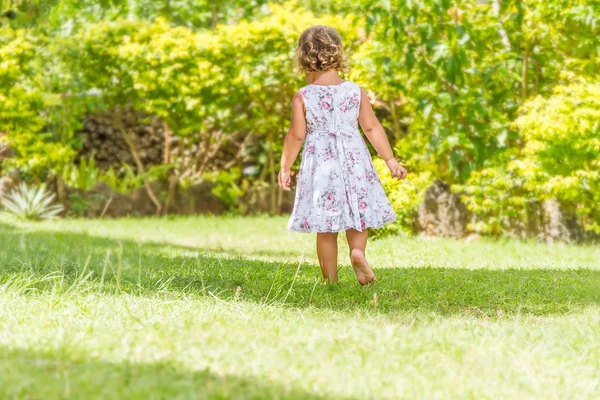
pixel 397 170
pixel 285 179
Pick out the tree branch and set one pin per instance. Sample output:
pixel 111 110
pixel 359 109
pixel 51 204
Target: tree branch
pixel 138 162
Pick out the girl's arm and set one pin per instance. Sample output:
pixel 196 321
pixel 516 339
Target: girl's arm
pixel 293 141
pixel 376 135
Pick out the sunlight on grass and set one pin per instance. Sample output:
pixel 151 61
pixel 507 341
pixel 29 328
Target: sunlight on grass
pixel 266 238
pixel 224 307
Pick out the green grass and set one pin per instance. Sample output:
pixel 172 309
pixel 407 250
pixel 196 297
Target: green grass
pixel 225 307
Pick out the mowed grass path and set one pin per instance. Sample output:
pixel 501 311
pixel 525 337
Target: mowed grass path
pixel 224 307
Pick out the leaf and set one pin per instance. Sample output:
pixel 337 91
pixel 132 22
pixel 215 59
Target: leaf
pixel 427 110
pixel 444 99
pixel 455 158
pixel 440 51
pixel 452 140
pixel 502 138
pixel 409 59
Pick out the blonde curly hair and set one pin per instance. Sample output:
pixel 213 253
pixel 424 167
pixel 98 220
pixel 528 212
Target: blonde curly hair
pixel 320 49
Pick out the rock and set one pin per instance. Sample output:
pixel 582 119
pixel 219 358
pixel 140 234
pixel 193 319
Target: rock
pixel 472 237
pixel 559 223
pixel 142 203
pixel 198 199
pixel 100 201
pixel 257 199
pixel 114 204
pixel 441 213
pixel 6 152
pixel 102 137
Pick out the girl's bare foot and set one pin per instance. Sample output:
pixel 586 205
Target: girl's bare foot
pixel 364 273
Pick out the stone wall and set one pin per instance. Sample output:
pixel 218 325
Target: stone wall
pixel 103 201
pixel 442 214
pixel 103 138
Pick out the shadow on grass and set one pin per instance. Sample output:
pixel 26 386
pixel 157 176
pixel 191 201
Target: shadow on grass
pixel 34 375
pixel 146 269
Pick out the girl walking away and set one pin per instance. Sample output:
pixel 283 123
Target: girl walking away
pixel 338 188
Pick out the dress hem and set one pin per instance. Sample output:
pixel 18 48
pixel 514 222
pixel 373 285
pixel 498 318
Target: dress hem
pixel 343 229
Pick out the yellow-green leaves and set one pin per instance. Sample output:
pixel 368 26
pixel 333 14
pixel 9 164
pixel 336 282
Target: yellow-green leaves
pixel 559 160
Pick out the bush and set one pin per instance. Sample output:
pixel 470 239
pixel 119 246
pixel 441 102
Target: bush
pixel 558 160
pixel 404 196
pixel 227 188
pixel 498 200
pixel 83 176
pixel 28 108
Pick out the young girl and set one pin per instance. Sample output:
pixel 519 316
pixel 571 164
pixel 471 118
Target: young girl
pixel 338 187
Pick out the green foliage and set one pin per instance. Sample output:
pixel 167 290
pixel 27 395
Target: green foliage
pixel 450 75
pixel 3 147
pixel 447 80
pixel 28 107
pixel 404 196
pixel 77 204
pixel 126 180
pixel 234 81
pixel 558 160
pixel 83 176
pixel 561 137
pixel 196 80
pixel 227 188
pixel 66 16
pixel 498 199
pixel 33 203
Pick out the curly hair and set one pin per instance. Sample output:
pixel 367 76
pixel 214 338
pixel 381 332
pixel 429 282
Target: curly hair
pixel 320 49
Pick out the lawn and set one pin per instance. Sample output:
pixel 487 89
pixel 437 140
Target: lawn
pixel 229 307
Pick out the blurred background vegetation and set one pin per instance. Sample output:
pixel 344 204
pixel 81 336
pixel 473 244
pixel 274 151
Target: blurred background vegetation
pixel 136 107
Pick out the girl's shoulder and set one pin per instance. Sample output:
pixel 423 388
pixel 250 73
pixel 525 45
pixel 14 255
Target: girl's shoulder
pixel 312 88
pixel 341 84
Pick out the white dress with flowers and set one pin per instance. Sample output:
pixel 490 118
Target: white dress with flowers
pixel 338 187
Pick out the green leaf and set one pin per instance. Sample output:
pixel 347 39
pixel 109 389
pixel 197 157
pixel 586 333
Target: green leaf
pixel 452 141
pixel 427 110
pixel 444 99
pixel 409 58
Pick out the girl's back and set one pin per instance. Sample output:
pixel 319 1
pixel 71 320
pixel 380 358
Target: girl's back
pixel 332 107
pixel 338 187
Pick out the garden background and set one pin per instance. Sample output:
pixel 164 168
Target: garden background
pixel 154 107
pixel 153 129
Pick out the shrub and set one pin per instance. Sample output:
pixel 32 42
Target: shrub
pixel 29 109
pixel 31 203
pixel 404 196
pixel 498 200
pixel 227 188
pixel 83 176
pixel 124 181
pixel 558 160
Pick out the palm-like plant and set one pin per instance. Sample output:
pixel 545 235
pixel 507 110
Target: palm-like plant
pixel 31 203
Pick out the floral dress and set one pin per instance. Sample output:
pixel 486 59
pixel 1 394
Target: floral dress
pixel 338 187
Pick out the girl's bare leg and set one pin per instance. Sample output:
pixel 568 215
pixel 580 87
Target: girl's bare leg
pixel 327 252
pixel 357 241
